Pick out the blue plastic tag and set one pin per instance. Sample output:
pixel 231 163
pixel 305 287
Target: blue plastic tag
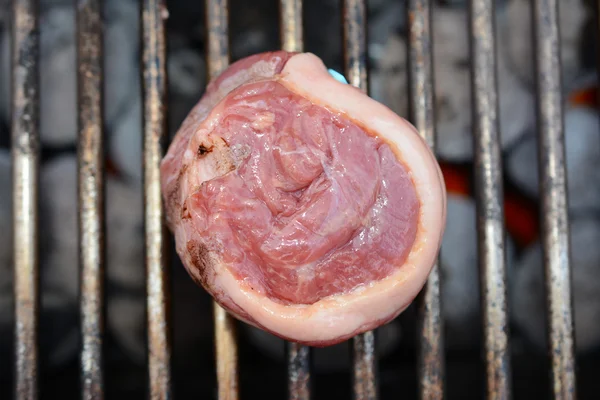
pixel 338 77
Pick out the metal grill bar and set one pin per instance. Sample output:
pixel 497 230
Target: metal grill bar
pixel 364 372
pixel 298 356
pixel 217 15
pixel 555 220
pixel 489 195
pixel 91 195
pixel 155 133
pixel 25 176
pixel 291 25
pixel 299 375
pixel 420 72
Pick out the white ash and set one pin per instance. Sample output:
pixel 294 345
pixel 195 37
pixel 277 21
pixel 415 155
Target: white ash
pixel 58 265
pixel 123 90
pixel 187 78
pixel 125 264
pixel 58 188
pixel 122 56
pixel 453 87
pixel 516 40
pixel 187 68
pixel 122 84
pixel 190 316
pixel 582 148
pixel 124 248
pixel 384 18
pixel 459 274
pixel 58 78
pixel 58 67
pixel 250 41
pixel 125 144
pixel 528 294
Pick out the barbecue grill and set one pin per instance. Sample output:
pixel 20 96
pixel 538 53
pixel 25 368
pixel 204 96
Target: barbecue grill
pixel 300 384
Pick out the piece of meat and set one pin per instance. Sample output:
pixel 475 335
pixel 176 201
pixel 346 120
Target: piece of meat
pixel 303 206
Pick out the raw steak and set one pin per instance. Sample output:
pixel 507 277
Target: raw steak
pixel 300 204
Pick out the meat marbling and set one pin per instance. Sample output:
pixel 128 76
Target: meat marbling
pixel 303 206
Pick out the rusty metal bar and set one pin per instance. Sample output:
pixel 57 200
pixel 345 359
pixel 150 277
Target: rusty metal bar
pixel 554 202
pixel 217 16
pixel 91 195
pixel 299 375
pixel 355 42
pixel 420 72
pixel 364 371
pixel 217 22
pixel 226 353
pixel 298 357
pixel 292 38
pixel 25 178
pixel 489 195
pixel 154 78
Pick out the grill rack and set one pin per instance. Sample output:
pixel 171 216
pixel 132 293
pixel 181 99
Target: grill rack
pixel 488 170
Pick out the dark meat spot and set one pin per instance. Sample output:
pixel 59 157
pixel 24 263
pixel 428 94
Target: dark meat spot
pixel 225 165
pixel 173 197
pixel 200 259
pixel 185 213
pixel 202 149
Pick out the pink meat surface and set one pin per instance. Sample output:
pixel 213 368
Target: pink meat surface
pixel 294 204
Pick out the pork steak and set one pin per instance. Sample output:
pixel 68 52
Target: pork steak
pixel 303 206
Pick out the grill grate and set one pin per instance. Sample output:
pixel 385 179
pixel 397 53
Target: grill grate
pixel 420 75
pixel 154 135
pixel 91 195
pixel 364 374
pixel 489 194
pixel 26 156
pixel 555 221
pixel 25 150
